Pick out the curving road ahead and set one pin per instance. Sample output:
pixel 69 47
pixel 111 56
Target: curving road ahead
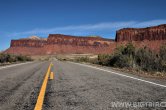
pixel 76 87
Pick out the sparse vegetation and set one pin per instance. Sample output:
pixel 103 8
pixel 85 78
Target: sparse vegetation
pixel 10 58
pixel 128 56
pixel 142 58
pixel 123 57
pixel 146 59
pixel 82 59
pixel 104 59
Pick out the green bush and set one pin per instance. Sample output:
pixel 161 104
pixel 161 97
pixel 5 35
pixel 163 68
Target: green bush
pixel 104 59
pixel 120 60
pixel 162 56
pixel 142 58
pixel 129 50
pixel 4 58
pixel 123 56
pixel 82 59
pixel 146 59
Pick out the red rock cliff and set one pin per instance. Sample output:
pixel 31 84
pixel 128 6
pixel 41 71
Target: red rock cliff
pixel 77 41
pixel 140 34
pixel 152 37
pixel 59 44
pixel 27 43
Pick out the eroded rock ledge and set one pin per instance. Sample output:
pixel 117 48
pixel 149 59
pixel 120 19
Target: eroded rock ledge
pixel 152 37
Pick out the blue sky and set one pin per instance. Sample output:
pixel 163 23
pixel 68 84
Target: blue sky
pixel 23 18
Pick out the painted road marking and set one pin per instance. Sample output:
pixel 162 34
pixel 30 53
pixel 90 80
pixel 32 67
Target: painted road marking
pixel 52 75
pixel 138 79
pixel 14 65
pixel 40 99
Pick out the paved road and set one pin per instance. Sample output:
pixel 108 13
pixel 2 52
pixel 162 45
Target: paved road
pixel 75 87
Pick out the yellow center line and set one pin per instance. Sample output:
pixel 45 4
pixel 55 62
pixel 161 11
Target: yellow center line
pixel 52 75
pixel 40 99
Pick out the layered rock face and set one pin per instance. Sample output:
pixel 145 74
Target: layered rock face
pixel 64 44
pixel 28 43
pixel 61 44
pixel 140 34
pixel 78 41
pixel 152 37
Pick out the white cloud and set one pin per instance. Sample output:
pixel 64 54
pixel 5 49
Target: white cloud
pixel 150 23
pixel 90 28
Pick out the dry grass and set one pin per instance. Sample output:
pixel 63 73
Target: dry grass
pixel 75 56
pixel 62 57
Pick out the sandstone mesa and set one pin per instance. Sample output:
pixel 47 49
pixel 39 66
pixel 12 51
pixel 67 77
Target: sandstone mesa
pixel 152 37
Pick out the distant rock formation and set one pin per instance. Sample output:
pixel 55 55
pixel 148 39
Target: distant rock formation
pixel 61 44
pixel 152 37
pixel 28 43
pixel 140 34
pixel 78 40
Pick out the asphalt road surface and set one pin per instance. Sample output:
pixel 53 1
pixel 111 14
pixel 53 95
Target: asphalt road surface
pixel 77 87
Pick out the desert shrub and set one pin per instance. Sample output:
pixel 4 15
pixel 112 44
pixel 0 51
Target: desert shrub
pixel 82 59
pixel 2 58
pixel 63 59
pixel 129 50
pixel 162 56
pixel 21 58
pixel 146 59
pixel 13 58
pixel 5 58
pixel 93 60
pixel 104 59
pixel 119 60
pixel 142 58
pixel 123 56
